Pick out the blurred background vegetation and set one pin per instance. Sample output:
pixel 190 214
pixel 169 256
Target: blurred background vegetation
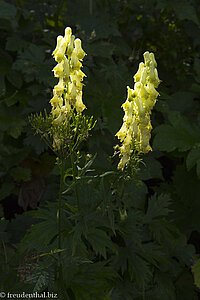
pixel 115 34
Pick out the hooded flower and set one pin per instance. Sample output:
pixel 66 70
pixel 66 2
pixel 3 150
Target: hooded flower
pixel 67 94
pixel 135 132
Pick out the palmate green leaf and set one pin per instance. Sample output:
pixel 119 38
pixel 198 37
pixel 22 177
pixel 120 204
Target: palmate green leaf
pixel 181 135
pixel 100 241
pixel 77 232
pixel 40 235
pixel 153 253
pixel 158 207
pixel 161 229
pixel 35 141
pixel 32 63
pixel 139 269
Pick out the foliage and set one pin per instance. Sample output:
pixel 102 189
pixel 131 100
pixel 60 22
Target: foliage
pixel 128 240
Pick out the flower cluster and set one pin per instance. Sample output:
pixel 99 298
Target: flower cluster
pixel 136 128
pixel 67 94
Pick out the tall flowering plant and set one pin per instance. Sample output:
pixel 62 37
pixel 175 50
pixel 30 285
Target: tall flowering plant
pixel 66 126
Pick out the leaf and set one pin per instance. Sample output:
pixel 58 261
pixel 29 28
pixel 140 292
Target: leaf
pixel 15 131
pixel 196 272
pixel 138 268
pixel 40 235
pixel 151 168
pixel 6 189
pixel 15 78
pixel 7 10
pixel 15 43
pixel 99 241
pixel 185 11
pixel 77 231
pixel 179 247
pixel 41 281
pixel 36 142
pixel 192 157
pixel 20 173
pixel 181 135
pixel 166 288
pixel 157 207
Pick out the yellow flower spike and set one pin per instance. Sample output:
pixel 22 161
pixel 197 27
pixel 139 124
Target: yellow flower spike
pixel 68 92
pixel 136 128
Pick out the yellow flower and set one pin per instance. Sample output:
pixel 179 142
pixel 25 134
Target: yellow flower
pixel 67 94
pixel 135 132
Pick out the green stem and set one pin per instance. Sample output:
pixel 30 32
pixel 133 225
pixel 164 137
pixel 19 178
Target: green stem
pixel 74 178
pixel 60 270
pixel 60 203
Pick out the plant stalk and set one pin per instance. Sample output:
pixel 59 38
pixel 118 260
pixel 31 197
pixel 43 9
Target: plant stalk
pixel 60 203
pixel 74 178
